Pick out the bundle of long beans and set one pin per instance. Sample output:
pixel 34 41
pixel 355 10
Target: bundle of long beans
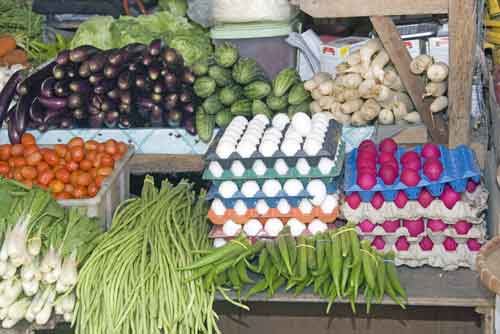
pixel 131 284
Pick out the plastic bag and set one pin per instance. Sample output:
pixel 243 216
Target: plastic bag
pixel 209 12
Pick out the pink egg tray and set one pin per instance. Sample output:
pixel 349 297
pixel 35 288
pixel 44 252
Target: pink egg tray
pixel 471 207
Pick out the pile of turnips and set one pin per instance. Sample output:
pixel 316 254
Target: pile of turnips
pixel 435 75
pixel 366 89
pixel 42 248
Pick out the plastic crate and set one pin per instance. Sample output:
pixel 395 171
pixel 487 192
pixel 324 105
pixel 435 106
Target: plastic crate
pixel 114 190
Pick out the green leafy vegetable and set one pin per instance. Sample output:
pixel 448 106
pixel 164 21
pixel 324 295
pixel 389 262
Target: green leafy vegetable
pixel 95 31
pixel 176 7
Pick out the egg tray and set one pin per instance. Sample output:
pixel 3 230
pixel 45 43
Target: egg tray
pixel 475 232
pixel 333 139
pixel 336 181
pixel 251 202
pixel 459 166
pixel 471 207
pixel 292 172
pixel 438 257
pixel 217 232
pixel 316 213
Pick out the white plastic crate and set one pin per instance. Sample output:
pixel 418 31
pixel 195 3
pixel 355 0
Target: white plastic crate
pixel 114 190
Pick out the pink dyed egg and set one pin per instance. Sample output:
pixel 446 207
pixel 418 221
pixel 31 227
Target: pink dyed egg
pixel 436 225
pixel 401 199
pixel 462 227
pixel 402 244
pixel 366 226
pixel 450 244
pixel 426 244
pixel 390 226
pixel 378 242
pixel 377 200
pixel 414 227
pixel 473 245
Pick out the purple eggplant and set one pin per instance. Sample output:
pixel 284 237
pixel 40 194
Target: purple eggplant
pixel 96 121
pixel 188 77
pixel 185 97
pixel 112 72
pixel 52 115
pixel 47 87
pixel 59 71
pixel 154 72
pixel 54 103
pixel 14 136
pixel 154 48
pixel 156 117
pixel 79 86
pixel 104 87
pixel 21 114
pixel 79 114
pixel 111 119
pixel 158 87
pixel 140 81
pixel 72 72
pixel 136 67
pixel 108 105
pixel 124 122
pixel 118 57
pixel 124 80
pixel 188 108
pixel 114 94
pixel 66 123
pixel 63 57
pixel 188 124
pixel 36 111
pixel 84 70
pixel 170 80
pixel 147 60
pixel 145 103
pixel 7 94
pixel 82 53
pixel 97 62
pixel 174 118
pixel 135 48
pixel 170 56
pixel 97 101
pixel 157 98
pixel 31 84
pixel 42 127
pixel 170 101
pixel 75 101
pixel 126 97
pixel 93 110
pixel 125 108
pixel 61 88
pixel 96 79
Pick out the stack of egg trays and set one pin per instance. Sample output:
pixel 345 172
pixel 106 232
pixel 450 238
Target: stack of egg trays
pixel 470 208
pixel 316 213
pixel 272 202
pixel 438 256
pixel 333 141
pixel 271 173
pixel 459 165
pixel 216 232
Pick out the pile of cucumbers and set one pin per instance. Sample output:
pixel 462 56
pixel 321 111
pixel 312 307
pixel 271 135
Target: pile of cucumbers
pixel 230 86
pixel 336 264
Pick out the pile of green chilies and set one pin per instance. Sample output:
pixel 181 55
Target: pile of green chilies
pixel 335 264
pixel 130 283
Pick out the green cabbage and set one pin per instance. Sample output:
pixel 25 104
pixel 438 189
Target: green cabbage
pixel 95 31
pixel 176 7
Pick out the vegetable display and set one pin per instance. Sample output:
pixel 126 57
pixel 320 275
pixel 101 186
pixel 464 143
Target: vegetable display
pixel 73 171
pixel 366 89
pixel 235 86
pixel 334 263
pixel 138 85
pixel 130 283
pixel 43 247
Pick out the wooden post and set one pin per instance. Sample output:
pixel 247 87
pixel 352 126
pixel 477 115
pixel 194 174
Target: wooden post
pixel 462 27
pixel 389 35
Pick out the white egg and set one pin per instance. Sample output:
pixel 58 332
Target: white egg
pixel 296 227
pixel 245 149
pixel 293 187
pixel 329 204
pixel 319 127
pixel 259 167
pixel 317 189
pixel 224 150
pixel 271 138
pixel 239 120
pixel 291 133
pixel 250 188
pixel 228 139
pixel 261 207
pixel 268 148
pixel 283 206
pixel 230 228
pixel 263 118
pixel 322 116
pixel 317 226
pixel 275 132
pixel 280 121
pixel 312 147
pixel 215 168
pixel 325 165
pixel 256 129
pixel 289 148
pixel 281 167
pixel 305 206
pixel 271 188
pixel 219 242
pixel 273 227
pixel 240 207
pixel 252 227
pixel 237 168
pixel 254 140
pixel 235 130
pixel 227 189
pixel 303 167
pixel 218 207
pixel 302 123
pixel 316 137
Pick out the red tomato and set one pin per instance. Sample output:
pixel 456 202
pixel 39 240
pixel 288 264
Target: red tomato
pixel 29 172
pixel 4 168
pixel 17 150
pixel 34 158
pixel 77 153
pixel 46 177
pixel 76 142
pixel 61 150
pixel 56 186
pixel 5 152
pixel 28 139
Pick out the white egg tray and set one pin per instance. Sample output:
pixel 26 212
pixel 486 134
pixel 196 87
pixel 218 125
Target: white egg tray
pixel 470 208
pixel 217 232
pixel 475 232
pixel 277 169
pixel 261 139
pixel 439 257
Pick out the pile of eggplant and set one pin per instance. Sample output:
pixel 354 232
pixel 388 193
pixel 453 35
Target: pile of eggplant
pixel 135 86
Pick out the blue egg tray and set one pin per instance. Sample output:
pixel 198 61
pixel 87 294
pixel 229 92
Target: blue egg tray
pixel 272 202
pixel 459 166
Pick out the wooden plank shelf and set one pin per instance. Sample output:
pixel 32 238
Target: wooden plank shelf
pixel 425 286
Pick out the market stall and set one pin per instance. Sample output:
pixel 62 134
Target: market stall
pixel 358 168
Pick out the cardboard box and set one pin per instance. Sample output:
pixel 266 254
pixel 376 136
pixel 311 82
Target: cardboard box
pixel 439 48
pixel 335 52
pixel 414 47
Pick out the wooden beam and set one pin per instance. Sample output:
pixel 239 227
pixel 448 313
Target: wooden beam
pixel 165 163
pixel 462 27
pixel 353 8
pixel 388 34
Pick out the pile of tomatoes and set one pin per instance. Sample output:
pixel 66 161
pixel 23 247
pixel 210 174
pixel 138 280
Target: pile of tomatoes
pixel 69 171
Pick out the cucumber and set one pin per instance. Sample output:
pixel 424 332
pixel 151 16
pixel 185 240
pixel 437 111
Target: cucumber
pixel 223 118
pixel 257 90
pixel 259 107
pixel 212 105
pixel 205 125
pixel 242 107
